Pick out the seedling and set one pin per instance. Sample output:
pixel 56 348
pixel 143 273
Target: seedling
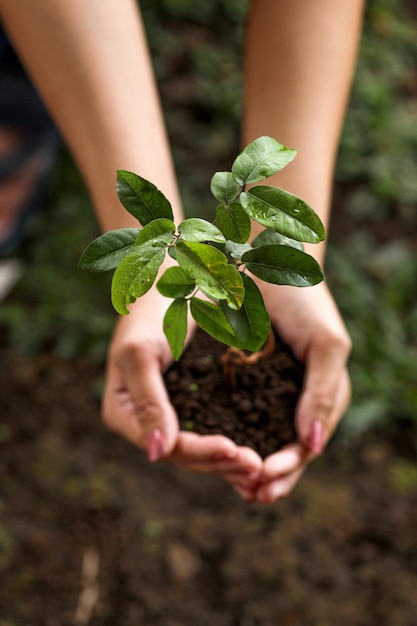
pixel 213 258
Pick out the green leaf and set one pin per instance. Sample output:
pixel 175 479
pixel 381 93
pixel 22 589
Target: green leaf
pixel 175 326
pixel 156 234
pixel 213 321
pixel 224 187
pixel 197 229
pixel 233 222
pixel 251 323
pixel 172 251
pixel 268 236
pixel 134 277
pixel 174 283
pixel 281 211
pixel 260 159
pixel 141 198
pixel 236 250
pixel 283 265
pixel 106 252
pixel 212 274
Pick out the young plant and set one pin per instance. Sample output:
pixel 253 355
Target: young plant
pixel 213 258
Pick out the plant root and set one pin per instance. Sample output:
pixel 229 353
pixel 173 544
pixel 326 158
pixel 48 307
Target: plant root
pixel 235 357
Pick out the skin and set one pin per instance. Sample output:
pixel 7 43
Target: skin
pixel 303 104
pixel 111 120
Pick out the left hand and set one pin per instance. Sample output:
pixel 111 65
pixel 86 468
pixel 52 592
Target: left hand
pixel 137 407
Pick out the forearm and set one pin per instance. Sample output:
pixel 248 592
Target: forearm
pixel 89 59
pixel 300 57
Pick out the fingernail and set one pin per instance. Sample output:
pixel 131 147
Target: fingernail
pixel 316 440
pixel 156 441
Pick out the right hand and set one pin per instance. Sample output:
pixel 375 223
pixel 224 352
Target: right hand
pixel 310 323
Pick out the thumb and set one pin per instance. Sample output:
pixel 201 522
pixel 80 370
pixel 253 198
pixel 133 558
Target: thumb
pixel 324 398
pixel 155 413
pixel 136 404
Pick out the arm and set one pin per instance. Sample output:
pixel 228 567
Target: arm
pixel 90 61
pixel 300 57
pixel 299 64
pixel 91 64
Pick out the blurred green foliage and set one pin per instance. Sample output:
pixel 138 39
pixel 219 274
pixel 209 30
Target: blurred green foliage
pixel 373 266
pixel 55 305
pixel 197 52
pixel 375 287
pixel 379 142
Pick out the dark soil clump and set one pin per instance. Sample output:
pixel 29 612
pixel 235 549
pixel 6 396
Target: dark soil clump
pixel 258 412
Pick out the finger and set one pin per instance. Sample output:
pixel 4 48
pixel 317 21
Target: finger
pixel 279 488
pixel 247 495
pixel 321 431
pixel 284 462
pixel 214 454
pixel 325 372
pixel 152 405
pixel 136 403
pixel 249 485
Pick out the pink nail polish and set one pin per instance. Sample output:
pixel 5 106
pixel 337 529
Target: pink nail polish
pixel 316 440
pixel 156 440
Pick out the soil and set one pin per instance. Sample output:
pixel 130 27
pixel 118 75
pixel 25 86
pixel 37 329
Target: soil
pixel 258 411
pixel 91 534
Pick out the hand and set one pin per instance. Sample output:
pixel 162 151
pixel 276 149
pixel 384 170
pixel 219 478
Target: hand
pixel 309 322
pixel 136 404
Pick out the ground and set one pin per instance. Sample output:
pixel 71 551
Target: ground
pixel 90 533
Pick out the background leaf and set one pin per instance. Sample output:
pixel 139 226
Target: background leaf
pixel 282 211
pixel 141 198
pixel 108 250
pixel 260 159
pixel 233 222
pixel 283 265
pixel 174 283
pixel 175 326
pixel 224 187
pixel 251 323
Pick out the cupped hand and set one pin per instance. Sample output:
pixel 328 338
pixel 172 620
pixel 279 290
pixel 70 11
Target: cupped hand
pixel 136 404
pixel 309 322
